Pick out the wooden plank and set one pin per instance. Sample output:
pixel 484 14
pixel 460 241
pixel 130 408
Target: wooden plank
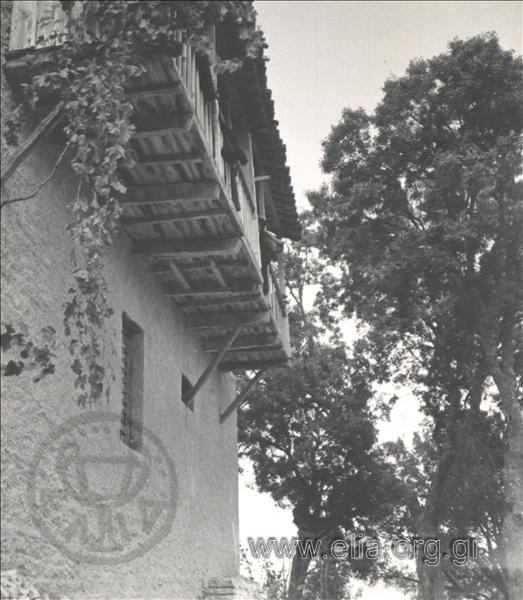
pixel 184 64
pixel 251 365
pixel 23 25
pixel 194 74
pixel 278 290
pixel 281 277
pixel 171 192
pixel 211 367
pixel 239 286
pixel 234 188
pixel 242 396
pixel 227 319
pixel 196 99
pixel 260 183
pixel 158 125
pixel 181 248
pixel 247 189
pixel 244 342
pixel 188 216
pixel 179 158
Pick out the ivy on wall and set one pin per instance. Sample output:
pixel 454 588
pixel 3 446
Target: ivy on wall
pixel 103 51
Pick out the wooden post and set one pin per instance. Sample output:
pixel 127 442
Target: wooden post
pixel 234 187
pixel 211 367
pixel 260 195
pixel 281 274
pixel 242 396
pixel 215 123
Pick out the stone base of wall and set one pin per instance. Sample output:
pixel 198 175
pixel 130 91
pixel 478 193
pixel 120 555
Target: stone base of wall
pixel 15 587
pixel 232 589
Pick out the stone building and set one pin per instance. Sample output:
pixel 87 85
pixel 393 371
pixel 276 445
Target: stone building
pixel 144 504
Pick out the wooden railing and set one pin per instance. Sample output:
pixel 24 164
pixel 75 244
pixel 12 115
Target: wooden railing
pixel 208 119
pixel 249 215
pixel 206 110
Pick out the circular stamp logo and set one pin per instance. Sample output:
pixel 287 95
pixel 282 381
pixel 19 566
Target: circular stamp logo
pixel 96 499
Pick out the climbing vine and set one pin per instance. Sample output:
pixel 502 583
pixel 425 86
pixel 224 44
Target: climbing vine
pixel 103 51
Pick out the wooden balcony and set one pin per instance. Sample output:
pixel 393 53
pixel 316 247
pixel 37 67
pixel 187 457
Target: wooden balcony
pixel 191 215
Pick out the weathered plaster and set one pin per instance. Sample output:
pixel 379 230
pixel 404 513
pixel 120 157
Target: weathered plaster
pixel 36 273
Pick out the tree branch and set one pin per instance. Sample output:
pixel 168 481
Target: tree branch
pixel 42 185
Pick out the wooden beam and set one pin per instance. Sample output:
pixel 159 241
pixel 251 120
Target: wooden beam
pixel 186 248
pixel 187 216
pixel 222 320
pixel 244 342
pixel 170 159
pixel 203 266
pixel 242 396
pixel 26 64
pixel 219 302
pixel 251 365
pixel 217 273
pixel 162 124
pixel 239 286
pixel 179 275
pixel 44 127
pixel 148 91
pixel 153 193
pixel 211 367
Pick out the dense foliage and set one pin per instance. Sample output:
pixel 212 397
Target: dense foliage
pixel 420 239
pixel 424 220
pixel 310 432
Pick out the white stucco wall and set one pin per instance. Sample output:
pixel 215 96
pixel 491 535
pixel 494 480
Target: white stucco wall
pixel 36 273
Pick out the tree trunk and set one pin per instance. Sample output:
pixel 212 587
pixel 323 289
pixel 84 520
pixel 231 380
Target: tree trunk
pixel 512 535
pixel 431 582
pixel 299 569
pixel 431 585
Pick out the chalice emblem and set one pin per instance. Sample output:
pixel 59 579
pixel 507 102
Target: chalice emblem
pixel 97 499
pixel 85 478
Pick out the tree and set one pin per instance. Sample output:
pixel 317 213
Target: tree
pixel 310 432
pixel 453 475
pixel 424 219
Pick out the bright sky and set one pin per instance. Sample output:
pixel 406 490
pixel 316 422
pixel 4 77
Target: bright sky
pixel 329 55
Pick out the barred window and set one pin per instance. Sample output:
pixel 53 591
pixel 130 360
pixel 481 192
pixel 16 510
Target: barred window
pixel 132 383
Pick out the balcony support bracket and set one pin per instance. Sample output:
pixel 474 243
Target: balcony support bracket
pixel 242 396
pixel 45 126
pixel 188 399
